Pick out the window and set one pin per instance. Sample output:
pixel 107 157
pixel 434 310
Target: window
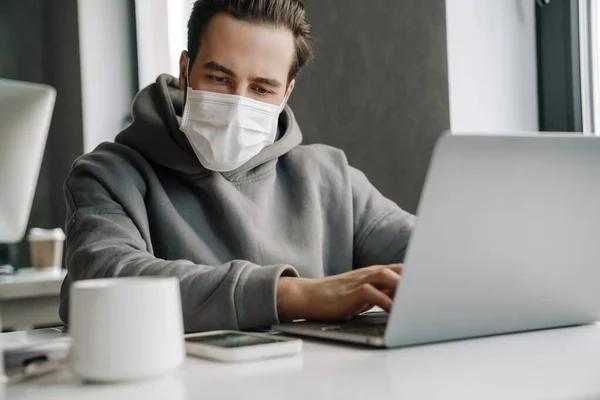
pixel 589 32
pixel 568 36
pixel 161 28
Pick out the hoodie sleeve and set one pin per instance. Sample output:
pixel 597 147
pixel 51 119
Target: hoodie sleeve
pixel 104 242
pixel 381 228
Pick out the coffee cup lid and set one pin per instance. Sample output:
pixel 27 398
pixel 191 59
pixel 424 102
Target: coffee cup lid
pixel 38 234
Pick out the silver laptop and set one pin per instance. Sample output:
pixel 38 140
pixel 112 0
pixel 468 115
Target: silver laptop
pixel 507 240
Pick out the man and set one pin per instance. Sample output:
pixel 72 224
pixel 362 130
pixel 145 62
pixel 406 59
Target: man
pixel 209 184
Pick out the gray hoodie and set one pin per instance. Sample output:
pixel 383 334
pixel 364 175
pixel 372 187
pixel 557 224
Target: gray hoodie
pixel 144 205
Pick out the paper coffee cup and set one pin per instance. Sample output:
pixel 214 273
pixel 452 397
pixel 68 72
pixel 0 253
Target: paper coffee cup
pixel 46 248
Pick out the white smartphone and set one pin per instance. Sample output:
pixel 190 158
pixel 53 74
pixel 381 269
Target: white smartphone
pixel 234 346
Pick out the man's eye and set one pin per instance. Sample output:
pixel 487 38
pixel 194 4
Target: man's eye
pixel 262 91
pixel 219 79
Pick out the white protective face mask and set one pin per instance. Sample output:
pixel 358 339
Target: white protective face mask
pixel 225 130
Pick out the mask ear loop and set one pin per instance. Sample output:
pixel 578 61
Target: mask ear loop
pixel 187 93
pixel 187 74
pixel 282 105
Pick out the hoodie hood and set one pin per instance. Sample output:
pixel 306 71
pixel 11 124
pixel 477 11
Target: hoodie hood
pixel 155 133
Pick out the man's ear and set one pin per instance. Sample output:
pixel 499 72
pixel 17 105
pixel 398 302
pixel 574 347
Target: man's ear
pixel 184 59
pixel 290 89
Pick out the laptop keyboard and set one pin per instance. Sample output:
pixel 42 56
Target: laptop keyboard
pixel 366 325
pixel 374 330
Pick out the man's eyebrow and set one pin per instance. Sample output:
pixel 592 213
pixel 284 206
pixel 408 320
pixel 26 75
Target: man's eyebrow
pixel 267 81
pixel 215 66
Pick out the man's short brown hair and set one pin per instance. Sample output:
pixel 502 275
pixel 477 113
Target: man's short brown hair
pixel 290 14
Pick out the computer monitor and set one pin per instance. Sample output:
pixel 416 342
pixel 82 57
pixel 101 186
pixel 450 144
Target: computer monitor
pixel 25 114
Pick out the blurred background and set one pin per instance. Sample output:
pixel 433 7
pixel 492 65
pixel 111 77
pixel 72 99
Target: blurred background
pixel 389 77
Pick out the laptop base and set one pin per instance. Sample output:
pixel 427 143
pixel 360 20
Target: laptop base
pixel 366 329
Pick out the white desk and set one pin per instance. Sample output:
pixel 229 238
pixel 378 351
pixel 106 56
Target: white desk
pixel 555 364
pixel 30 298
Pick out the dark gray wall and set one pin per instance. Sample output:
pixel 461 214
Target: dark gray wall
pixel 39 43
pixel 378 88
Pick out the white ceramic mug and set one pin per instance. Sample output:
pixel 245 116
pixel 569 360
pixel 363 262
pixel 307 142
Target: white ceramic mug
pixel 125 329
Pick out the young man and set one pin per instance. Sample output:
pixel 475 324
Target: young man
pixel 210 184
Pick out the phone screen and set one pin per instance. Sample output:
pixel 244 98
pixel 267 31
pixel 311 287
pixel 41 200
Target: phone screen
pixel 229 340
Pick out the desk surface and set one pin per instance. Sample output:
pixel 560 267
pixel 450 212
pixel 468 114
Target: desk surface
pixel 553 364
pixel 29 283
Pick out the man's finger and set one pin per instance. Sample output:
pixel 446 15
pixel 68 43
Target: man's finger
pixel 397 268
pixel 369 295
pixel 383 279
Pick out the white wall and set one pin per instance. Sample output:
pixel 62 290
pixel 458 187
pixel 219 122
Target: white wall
pixel 492 65
pixel 106 68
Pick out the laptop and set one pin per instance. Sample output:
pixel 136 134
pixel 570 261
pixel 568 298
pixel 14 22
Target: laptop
pixel 507 240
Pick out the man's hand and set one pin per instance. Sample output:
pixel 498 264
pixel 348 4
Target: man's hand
pixel 339 297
